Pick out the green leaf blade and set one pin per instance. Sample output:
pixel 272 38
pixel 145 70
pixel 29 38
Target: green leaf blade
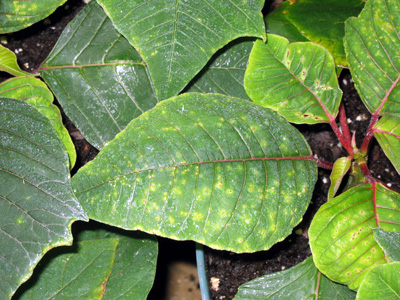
pixel 389 242
pixel 81 274
pixel 203 176
pixel 8 63
pixel 341 236
pixel 308 69
pixel 16 14
pixel 387 133
pixel 177 38
pixel 382 282
pixel 340 168
pixel 301 282
pixel 35 92
pixel 38 205
pixel 102 84
pixel 372 42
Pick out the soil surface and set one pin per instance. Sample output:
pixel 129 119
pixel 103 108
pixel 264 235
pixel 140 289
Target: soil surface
pixel 32 46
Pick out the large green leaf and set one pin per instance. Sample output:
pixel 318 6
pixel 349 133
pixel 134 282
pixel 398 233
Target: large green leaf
pixel 134 264
pixel 37 202
pixel 389 242
pixel 218 170
pixel 297 80
pixel 80 274
pixel 300 282
pixel 382 282
pixel 8 62
pixel 341 236
pixel 225 72
pixel 278 23
pixel 18 14
pixel 372 44
pixel 103 263
pixel 98 77
pixel 387 133
pixel 35 92
pixel 323 22
pixel 177 38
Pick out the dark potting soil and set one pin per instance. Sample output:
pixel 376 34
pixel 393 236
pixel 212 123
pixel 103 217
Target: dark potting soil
pixel 32 46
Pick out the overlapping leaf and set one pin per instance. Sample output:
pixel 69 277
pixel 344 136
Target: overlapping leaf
pixel 218 170
pixel 81 274
pixel 340 169
pixel 372 42
pixel 341 236
pixel 297 80
pixel 225 72
pixel 8 62
pixel 18 14
pixel 323 22
pixel 37 202
pixel 387 132
pixel 177 38
pixel 36 93
pixel 103 263
pixel 389 242
pixel 382 282
pixel 303 281
pixel 98 77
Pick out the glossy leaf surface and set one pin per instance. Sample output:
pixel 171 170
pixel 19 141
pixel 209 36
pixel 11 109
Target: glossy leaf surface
pixel 323 22
pixel 98 77
pixel 300 282
pixel 387 133
pixel 35 92
pixel 79 274
pixel 278 23
pixel 389 242
pixel 134 265
pixel 372 41
pixel 225 72
pixel 382 282
pixel 341 236
pixel 218 170
pixel 297 80
pixel 177 38
pixel 37 202
pixel 8 62
pixel 103 263
pixel 340 169
pixel 18 14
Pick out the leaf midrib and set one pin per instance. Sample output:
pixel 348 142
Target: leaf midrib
pixel 244 160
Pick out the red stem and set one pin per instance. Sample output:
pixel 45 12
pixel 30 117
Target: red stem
pixel 370 133
pixel 342 140
pixel 323 164
pixel 344 125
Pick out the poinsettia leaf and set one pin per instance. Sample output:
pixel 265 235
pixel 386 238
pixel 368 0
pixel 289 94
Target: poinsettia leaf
pixel 103 263
pixel 322 22
pixel 18 14
pixel 218 170
pixel 224 74
pixel 35 92
pixel 341 236
pixel 37 202
pixel 382 282
pixel 297 80
pixel 77 273
pixel 278 23
pixel 176 39
pixel 134 264
pixel 387 133
pixel 98 77
pixel 389 242
pixel 372 42
pixel 340 169
pixel 302 281
pixel 8 62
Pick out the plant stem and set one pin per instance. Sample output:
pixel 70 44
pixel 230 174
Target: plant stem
pixel 323 164
pixel 370 133
pixel 344 125
pixel 341 138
